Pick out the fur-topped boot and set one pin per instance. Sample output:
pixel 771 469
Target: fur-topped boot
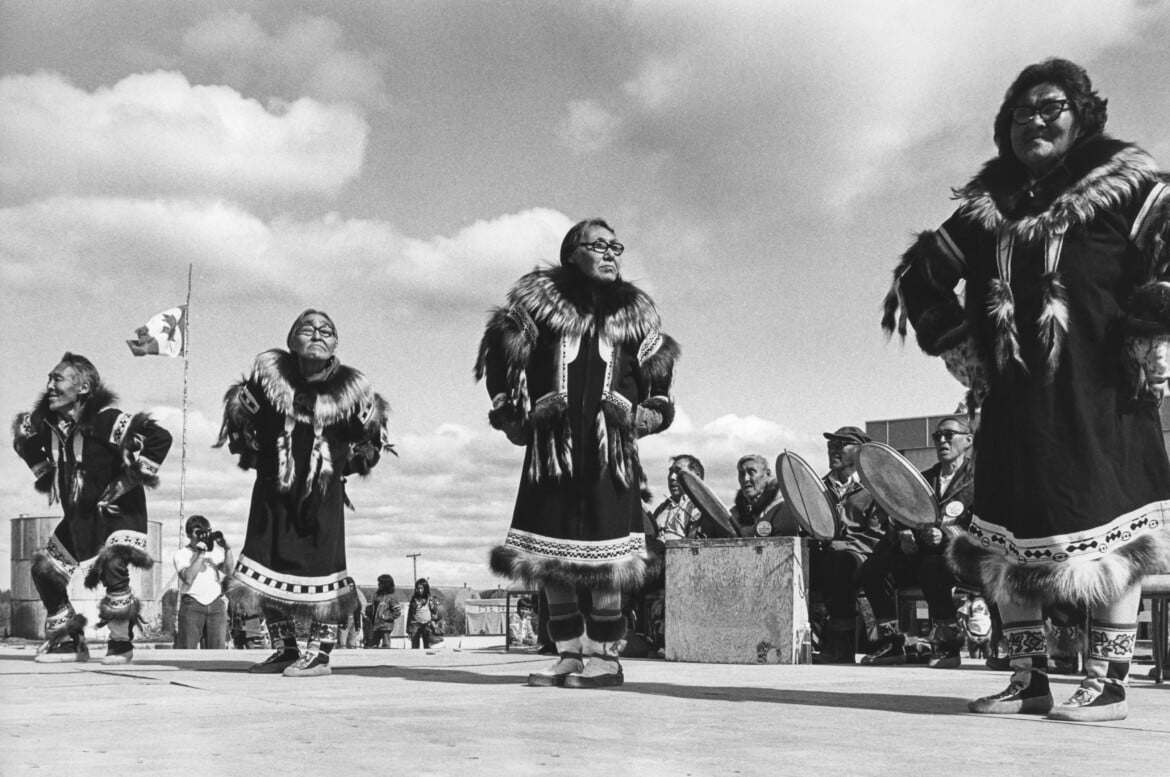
pixel 604 630
pixel 1028 690
pixel 119 612
pixel 282 634
pixel 64 638
pixel 566 632
pixel 314 662
pixel 1101 695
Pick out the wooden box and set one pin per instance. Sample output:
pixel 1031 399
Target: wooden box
pixel 737 601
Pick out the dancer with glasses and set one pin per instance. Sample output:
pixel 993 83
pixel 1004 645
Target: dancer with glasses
pixel 908 557
pixel 304 421
pixel 578 370
pixel 1063 242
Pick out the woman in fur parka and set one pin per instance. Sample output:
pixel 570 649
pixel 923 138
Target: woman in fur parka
pixel 578 370
pixel 1062 241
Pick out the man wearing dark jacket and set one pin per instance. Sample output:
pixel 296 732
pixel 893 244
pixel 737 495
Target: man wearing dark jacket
pixel 916 557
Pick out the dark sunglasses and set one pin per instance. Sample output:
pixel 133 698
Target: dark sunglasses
pixel 946 434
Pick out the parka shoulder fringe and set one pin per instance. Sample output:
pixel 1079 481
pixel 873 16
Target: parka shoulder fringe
pixel 1093 582
pixel 251 600
pixel 1101 175
pixel 629 574
pixel 346 392
pixel 939 328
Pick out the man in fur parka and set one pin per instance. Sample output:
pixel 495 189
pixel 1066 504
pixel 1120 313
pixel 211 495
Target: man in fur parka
pixel 578 370
pixel 1062 240
pixel 95 460
pixel 303 421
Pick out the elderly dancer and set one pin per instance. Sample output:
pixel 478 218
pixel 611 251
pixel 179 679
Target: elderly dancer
pixel 1062 240
pixel 304 422
pixel 578 370
pixel 96 460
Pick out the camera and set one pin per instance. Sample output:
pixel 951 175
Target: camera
pixel 208 537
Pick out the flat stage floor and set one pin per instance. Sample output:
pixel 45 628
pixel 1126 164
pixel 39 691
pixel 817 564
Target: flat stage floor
pixel 465 710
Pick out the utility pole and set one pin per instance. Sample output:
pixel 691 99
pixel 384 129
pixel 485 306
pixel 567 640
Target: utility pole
pixel 414 559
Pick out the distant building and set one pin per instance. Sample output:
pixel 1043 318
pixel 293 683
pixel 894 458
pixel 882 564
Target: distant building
pixel 911 436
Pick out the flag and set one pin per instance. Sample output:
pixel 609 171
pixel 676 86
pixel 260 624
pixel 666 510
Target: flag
pixel 163 335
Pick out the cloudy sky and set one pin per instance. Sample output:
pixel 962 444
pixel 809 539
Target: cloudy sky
pixel 400 164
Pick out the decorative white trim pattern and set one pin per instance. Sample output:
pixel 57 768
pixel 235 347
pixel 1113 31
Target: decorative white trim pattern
pixel 1066 548
pixel 134 539
pixel 293 588
pixel 577 551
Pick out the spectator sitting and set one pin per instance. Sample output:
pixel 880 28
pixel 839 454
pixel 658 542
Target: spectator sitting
pixel 520 631
pixel 917 557
pixel 677 518
pixel 760 510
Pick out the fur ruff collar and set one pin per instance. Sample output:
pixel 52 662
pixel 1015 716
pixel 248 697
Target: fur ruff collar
pixel 101 399
pixel 561 299
pixel 338 397
pixel 757 508
pixel 1098 174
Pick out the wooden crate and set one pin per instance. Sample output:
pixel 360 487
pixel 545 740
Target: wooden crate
pixel 737 601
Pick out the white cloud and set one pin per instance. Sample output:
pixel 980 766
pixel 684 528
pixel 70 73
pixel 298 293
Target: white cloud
pixel 88 246
pixel 157 133
pixel 588 127
pixel 306 57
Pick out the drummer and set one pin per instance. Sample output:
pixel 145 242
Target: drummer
pixel 677 518
pixel 908 557
pixel 834 565
pixel 760 510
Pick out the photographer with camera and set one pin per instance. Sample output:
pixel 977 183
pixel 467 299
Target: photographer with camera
pixel 202 565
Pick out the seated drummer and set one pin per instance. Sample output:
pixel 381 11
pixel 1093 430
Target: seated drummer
pixel 677 518
pixel 834 565
pixel 759 509
pixel 908 557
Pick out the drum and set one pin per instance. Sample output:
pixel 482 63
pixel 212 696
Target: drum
pixel 716 518
pixel 897 486
pixel 803 490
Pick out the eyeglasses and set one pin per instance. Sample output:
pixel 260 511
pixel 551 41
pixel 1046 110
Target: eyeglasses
pixel 1048 110
pixel 946 434
pixel 325 331
pixel 839 445
pixel 600 246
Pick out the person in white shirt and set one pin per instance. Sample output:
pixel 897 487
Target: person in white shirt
pixel 202 567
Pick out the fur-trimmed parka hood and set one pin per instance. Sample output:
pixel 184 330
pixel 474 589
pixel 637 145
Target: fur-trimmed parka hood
pixel 568 303
pixel 1097 174
pixel 339 396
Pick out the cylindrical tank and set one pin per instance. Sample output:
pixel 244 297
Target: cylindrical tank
pixel 30 533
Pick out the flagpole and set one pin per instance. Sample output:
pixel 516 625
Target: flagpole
pixel 186 371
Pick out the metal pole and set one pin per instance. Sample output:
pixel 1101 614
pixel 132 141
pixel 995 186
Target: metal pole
pixel 186 387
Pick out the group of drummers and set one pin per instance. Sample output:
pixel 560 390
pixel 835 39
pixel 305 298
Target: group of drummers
pixel 875 524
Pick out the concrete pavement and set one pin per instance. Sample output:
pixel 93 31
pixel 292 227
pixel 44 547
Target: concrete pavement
pixel 468 712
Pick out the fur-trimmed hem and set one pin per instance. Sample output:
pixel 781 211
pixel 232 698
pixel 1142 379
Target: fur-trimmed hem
pixel 251 600
pixel 629 575
pixel 1091 582
pixel 135 557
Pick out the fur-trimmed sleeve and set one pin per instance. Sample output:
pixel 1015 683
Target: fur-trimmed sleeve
pixel 504 352
pixel 144 446
pixel 374 437
pixel 241 403
pixel 657 355
pixel 923 290
pixel 31 447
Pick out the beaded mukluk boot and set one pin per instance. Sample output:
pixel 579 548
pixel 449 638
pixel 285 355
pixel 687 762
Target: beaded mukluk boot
pixel 1101 695
pixel 282 634
pixel 1028 691
pixel 314 662
pixel 566 633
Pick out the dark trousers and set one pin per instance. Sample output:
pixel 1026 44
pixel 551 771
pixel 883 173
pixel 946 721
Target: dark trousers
pixel 887 569
pixel 422 632
pixel 834 575
pixel 201 623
